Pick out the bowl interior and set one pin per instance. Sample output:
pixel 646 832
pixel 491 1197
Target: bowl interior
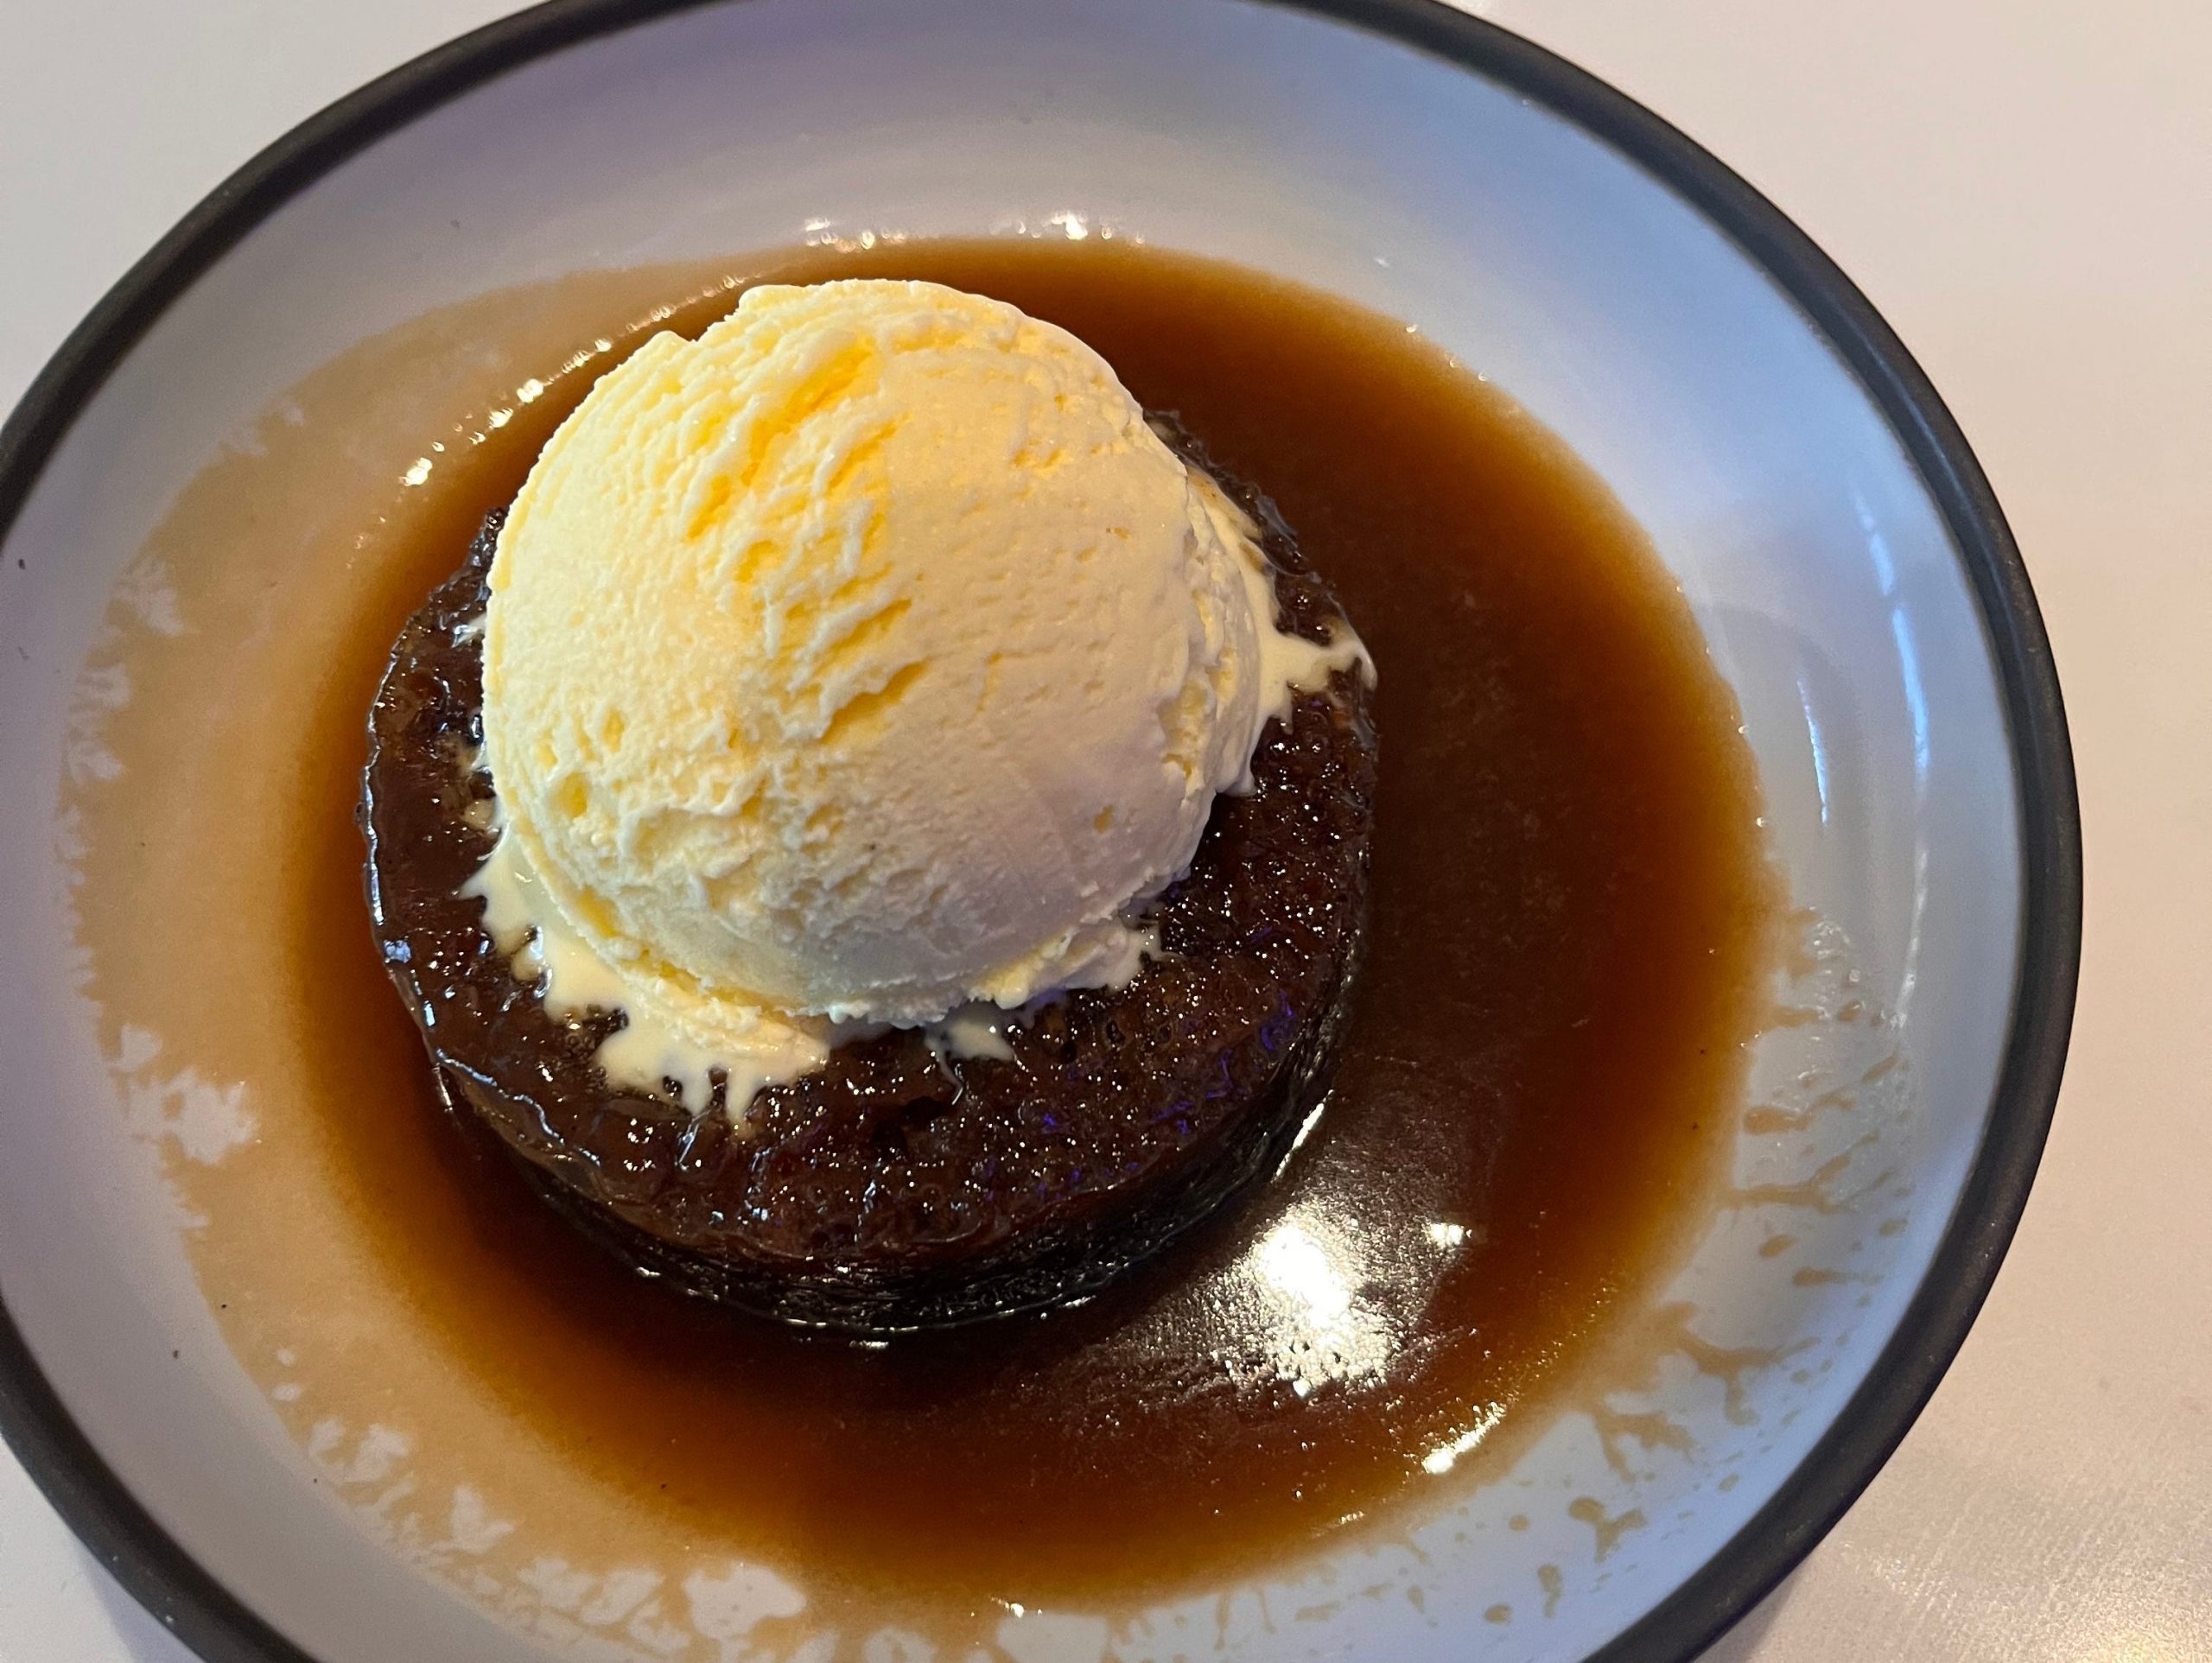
pixel 1829 588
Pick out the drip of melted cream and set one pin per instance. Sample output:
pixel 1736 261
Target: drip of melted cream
pixel 1289 663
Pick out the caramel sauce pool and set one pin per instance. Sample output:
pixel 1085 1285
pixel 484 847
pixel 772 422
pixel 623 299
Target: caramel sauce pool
pixel 1569 897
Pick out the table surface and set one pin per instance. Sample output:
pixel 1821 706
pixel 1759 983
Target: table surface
pixel 2024 189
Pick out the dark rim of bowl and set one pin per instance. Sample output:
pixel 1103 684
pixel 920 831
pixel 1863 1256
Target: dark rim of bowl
pixel 208 1617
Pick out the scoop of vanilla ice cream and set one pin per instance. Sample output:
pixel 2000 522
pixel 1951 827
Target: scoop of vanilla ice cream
pixel 866 657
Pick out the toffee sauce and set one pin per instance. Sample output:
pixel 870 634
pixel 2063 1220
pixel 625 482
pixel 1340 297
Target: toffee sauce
pixel 1569 899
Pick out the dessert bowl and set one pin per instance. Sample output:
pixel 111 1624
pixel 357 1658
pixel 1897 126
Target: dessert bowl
pixel 1850 571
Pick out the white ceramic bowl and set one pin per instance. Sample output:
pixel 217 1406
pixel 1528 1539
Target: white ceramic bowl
pixel 1842 550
